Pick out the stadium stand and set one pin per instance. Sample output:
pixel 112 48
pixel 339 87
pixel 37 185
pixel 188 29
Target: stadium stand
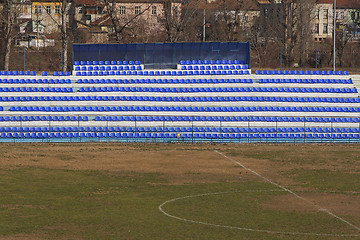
pixel 229 108
pixel 195 101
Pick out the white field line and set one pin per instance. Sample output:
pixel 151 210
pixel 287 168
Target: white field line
pixel 242 228
pixel 291 192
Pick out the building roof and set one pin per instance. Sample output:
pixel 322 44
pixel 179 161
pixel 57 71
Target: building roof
pixel 352 4
pixel 230 4
pixel 41 1
pixel 89 2
pixel 148 2
pixel 103 21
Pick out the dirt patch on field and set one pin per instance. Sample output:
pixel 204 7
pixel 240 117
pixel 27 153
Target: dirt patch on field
pixel 18 206
pixel 288 203
pixel 179 164
pixel 185 163
pixel 339 204
pixel 37 236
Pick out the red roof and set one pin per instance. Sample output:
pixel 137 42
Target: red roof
pixel 230 4
pixel 103 21
pixel 89 2
pixel 351 4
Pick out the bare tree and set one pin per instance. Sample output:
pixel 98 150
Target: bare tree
pixel 10 13
pixel 345 31
pixel 289 24
pixel 179 19
pixel 232 18
pixel 66 12
pixel 305 15
pixel 121 24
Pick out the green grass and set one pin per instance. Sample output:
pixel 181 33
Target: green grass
pixel 71 204
pixel 327 180
pixel 301 154
pixel 74 204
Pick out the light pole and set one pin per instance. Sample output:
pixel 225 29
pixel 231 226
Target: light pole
pixel 334 36
pixel 204 27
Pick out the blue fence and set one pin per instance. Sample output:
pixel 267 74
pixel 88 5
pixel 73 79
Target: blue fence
pixel 163 55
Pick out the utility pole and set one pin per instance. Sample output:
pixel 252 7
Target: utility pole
pixel 37 31
pixel 24 59
pixel 204 27
pixel 334 31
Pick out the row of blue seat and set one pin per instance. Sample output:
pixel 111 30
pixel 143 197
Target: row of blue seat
pixel 32 81
pixel 183 129
pixel 108 68
pixel 164 81
pixel 40 135
pixel 227 119
pixel 193 90
pixel 183 118
pixel 181 109
pixel 35 89
pixel 207 62
pixel 162 73
pixel 81 63
pixel 179 118
pixel 176 81
pixel 31 73
pixel 179 99
pixel 56 73
pixel 332 81
pixel 214 67
pixel 43 118
pixel 15 73
pixel 300 72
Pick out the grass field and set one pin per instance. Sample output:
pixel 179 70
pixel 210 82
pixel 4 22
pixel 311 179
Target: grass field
pixel 179 191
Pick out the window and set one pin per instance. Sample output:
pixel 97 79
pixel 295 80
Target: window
pixel 25 10
pixel 122 10
pixel 48 9
pixel 317 14
pixel 325 28
pixel 317 28
pixel 326 14
pixel 342 15
pixel 137 10
pixel 57 9
pixel 352 16
pixel 153 10
pixel 37 9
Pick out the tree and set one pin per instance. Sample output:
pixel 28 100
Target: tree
pixel 66 13
pixel 304 29
pixel 122 23
pixel 232 19
pixel 346 31
pixel 182 21
pixel 10 13
pixel 343 37
pixel 289 24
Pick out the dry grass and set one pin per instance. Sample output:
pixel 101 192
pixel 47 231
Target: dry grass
pixel 302 168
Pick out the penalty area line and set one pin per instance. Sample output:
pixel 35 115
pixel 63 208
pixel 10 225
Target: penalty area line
pixel 289 191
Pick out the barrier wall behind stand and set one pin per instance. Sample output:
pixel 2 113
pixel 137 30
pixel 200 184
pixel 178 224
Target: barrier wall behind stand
pixel 163 55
